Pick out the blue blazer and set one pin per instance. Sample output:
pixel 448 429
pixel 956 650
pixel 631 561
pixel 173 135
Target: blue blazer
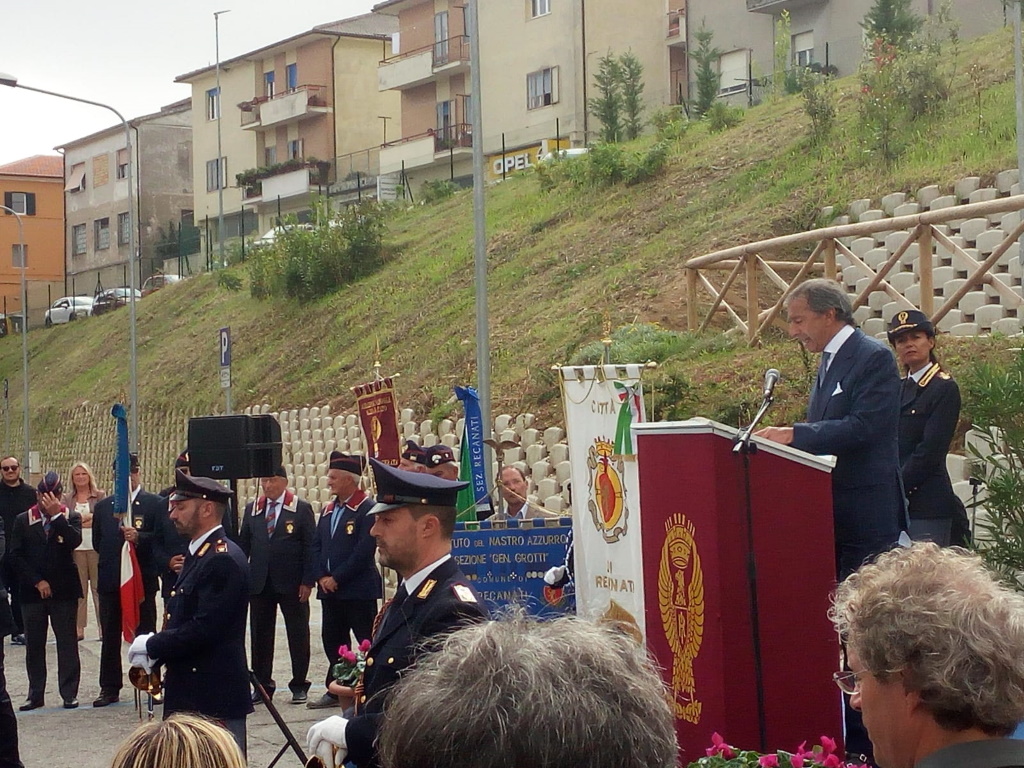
pixel 348 554
pixel 854 416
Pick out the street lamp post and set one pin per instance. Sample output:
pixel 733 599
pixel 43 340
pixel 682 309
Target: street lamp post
pixel 24 333
pixel 221 177
pixel 12 82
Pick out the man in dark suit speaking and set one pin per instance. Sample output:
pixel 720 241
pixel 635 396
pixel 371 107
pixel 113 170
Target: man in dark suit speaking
pixel 277 536
pixel 853 414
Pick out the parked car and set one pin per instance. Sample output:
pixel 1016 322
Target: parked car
pixel 564 154
pixel 112 299
pixel 156 282
pixel 66 309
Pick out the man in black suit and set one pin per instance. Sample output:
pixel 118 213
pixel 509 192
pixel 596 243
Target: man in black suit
pixel 15 497
pixel 202 649
pixel 9 755
pixel 109 533
pixel 413 524
pixel 277 537
pixel 43 539
pixel 348 582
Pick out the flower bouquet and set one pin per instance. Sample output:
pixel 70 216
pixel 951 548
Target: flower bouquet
pixel 722 755
pixel 350 665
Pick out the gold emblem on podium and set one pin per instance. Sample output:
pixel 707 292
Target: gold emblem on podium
pixel 607 502
pixel 681 602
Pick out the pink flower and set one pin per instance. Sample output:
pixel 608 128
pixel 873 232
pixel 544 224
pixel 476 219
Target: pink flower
pixel 828 745
pixel 349 656
pixel 364 646
pixel 719 747
pixel 768 761
pixel 832 761
pixel 803 751
pixel 797 761
pixel 342 650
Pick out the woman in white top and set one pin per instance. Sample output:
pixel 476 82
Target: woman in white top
pixel 82 498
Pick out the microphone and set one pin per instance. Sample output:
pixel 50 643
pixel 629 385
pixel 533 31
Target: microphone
pixel 771 378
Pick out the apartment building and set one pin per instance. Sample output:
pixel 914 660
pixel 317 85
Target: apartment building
pixel 295 119
pixel 32 187
pixel 96 193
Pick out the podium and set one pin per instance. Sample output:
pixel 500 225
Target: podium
pixel 742 636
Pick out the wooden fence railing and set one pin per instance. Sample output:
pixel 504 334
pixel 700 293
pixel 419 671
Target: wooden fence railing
pixel 923 232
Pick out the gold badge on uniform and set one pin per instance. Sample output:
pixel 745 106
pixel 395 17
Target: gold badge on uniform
pixel 60 539
pixel 426 589
pixel 464 593
pixel 138 523
pixel 289 528
pixel 222 547
pixel 349 528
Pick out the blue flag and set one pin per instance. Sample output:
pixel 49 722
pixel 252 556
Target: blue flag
pixel 476 498
pixel 122 461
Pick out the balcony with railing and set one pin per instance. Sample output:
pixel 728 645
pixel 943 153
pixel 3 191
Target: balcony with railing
pixel 282 180
pixel 427 148
pixel 778 6
pixel 676 34
pixel 420 65
pixel 291 106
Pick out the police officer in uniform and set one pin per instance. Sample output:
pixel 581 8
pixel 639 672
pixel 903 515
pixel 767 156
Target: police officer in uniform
pixel 413 523
pixel 202 650
pixel 169 546
pixel 929 412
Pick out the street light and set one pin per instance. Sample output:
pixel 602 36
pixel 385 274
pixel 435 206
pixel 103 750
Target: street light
pixel 12 82
pixel 24 330
pixel 221 176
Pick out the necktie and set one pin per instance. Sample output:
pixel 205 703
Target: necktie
pixel 395 607
pixel 46 527
pixel 823 368
pixel 335 519
pixel 271 517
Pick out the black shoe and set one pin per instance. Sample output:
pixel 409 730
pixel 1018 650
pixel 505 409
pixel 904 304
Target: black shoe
pixel 299 697
pixel 29 705
pixel 106 699
pixel 70 703
pixel 324 702
pixel 18 639
pixel 257 699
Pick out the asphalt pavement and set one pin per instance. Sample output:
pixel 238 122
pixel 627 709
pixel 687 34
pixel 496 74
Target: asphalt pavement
pixel 53 737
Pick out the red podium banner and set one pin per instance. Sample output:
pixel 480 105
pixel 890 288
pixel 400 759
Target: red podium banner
pixel 378 416
pixel 705 591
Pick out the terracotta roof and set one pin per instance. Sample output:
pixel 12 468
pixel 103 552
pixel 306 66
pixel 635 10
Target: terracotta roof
pixel 367 25
pixel 37 165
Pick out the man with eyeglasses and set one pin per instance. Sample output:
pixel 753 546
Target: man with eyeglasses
pixel 16 496
pixel 934 648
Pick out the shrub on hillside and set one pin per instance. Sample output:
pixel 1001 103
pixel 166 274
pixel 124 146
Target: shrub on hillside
pixel 642 342
pixel 721 117
pixel 435 190
pixel 670 123
pixel 820 97
pixel 311 263
pixel 603 166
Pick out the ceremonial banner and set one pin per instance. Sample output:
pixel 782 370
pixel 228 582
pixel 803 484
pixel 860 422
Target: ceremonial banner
pixel 601 403
pixel 131 588
pixel 378 416
pixel 475 498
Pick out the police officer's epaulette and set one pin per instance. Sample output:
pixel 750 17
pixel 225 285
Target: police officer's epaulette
pixel 202 549
pixel 464 593
pixel 221 547
pixel 930 374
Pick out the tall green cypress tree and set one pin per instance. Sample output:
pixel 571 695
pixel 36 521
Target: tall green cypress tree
pixel 892 20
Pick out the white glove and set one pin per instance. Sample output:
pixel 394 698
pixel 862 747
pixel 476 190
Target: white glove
pixel 327 740
pixel 554 575
pixel 138 656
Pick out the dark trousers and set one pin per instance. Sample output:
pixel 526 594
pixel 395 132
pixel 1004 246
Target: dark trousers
pixel 111 671
pixel 147 608
pixel 10 580
pixel 262 629
pixel 341 617
pixel 9 757
pixel 62 615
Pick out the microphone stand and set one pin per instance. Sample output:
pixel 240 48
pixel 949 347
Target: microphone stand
pixel 744 447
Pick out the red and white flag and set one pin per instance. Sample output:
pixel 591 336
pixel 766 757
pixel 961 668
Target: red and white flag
pixel 132 593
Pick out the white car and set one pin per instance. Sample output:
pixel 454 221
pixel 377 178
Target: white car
pixel 67 309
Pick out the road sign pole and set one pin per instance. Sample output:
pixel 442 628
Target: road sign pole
pixel 225 367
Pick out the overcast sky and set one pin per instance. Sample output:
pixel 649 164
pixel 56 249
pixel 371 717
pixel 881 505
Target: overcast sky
pixel 125 53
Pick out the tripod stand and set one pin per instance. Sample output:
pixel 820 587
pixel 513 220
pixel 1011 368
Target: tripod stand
pixel 290 740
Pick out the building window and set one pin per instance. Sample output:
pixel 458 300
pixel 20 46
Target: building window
pixel 440 38
pixel 213 104
pixel 124 228
pixel 101 234
pixel 122 164
pixel 291 74
pixel 295 149
pixel 20 202
pixel 539 8
pixel 732 67
pixel 269 155
pixel 803 49
pixel 444 117
pixel 216 174
pixel 78 244
pixel 540 88
pixel 18 254
pixel 76 178
pixel 268 84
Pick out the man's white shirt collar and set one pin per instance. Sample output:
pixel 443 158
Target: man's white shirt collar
pixel 194 546
pixel 414 581
pixel 836 343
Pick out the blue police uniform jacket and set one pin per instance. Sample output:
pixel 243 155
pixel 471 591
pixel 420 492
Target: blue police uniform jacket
pixel 444 602
pixel 347 555
pixel 203 648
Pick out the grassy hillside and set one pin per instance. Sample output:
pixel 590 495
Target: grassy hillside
pixel 561 263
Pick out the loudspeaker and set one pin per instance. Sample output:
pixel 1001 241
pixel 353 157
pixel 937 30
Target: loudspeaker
pixel 234 447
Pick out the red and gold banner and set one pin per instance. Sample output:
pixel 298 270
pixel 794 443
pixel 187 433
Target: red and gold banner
pixel 378 416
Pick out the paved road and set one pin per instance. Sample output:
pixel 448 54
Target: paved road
pixel 53 737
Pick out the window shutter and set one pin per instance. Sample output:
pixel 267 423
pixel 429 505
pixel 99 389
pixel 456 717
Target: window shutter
pixel 8 202
pixel 30 203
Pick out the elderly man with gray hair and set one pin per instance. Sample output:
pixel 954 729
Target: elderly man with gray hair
pixel 935 653
pixel 517 692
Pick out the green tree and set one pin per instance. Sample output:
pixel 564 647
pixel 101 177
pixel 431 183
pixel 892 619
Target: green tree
pixel 709 79
pixel 631 73
pixel 892 21
pixel 782 57
pixel 607 107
